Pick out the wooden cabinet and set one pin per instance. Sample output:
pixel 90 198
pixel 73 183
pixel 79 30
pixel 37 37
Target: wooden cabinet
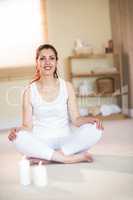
pixel 102 73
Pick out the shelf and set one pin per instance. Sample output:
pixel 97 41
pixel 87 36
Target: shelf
pixel 91 56
pixel 118 116
pixel 95 74
pixel 98 95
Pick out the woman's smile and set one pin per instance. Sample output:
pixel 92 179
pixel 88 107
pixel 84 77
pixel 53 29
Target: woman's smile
pixel 47 67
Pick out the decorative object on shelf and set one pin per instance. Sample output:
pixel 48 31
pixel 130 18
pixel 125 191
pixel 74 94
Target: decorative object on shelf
pixel 105 85
pixel 85 88
pixel 109 47
pixel 109 109
pixel 82 47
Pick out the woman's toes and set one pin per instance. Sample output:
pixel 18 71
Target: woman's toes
pixel 88 157
pixel 34 161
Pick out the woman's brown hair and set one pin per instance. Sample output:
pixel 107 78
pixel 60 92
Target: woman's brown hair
pixel 39 49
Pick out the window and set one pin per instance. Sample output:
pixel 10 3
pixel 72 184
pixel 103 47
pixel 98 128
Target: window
pixel 21 31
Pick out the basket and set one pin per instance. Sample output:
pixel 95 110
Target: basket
pixel 105 85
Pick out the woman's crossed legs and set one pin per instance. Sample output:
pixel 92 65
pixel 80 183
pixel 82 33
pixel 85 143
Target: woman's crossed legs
pixel 70 149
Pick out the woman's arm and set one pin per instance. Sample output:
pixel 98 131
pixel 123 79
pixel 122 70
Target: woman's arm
pixel 26 116
pixel 76 119
pixel 27 111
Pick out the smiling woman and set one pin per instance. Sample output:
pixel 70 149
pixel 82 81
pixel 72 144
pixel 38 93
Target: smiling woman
pixel 49 108
pixel 21 31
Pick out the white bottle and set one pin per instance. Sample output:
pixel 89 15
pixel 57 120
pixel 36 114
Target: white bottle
pixel 39 175
pixel 84 88
pixel 24 171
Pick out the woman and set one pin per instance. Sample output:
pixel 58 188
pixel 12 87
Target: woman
pixel 49 107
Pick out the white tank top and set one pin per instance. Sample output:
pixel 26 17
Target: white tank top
pixel 50 119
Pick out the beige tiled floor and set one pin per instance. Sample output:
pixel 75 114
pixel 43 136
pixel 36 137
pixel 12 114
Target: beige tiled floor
pixel 109 177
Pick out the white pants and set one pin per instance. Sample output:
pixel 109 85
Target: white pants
pixel 82 139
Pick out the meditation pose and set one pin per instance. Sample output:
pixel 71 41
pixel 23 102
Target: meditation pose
pixel 52 128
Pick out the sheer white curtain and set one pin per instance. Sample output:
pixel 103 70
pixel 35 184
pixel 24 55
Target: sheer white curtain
pixel 20 32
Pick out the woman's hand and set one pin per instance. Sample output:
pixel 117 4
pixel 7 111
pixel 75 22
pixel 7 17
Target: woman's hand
pixel 98 123
pixel 13 133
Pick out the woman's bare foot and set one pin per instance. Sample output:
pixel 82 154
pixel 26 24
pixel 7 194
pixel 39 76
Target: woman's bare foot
pixel 76 158
pixel 34 161
pixel 88 157
pixel 81 157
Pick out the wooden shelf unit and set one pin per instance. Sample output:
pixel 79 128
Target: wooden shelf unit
pixel 115 74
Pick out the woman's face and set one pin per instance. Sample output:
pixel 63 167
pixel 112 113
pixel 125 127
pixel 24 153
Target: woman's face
pixel 47 62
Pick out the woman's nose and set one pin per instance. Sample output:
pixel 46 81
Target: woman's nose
pixel 47 61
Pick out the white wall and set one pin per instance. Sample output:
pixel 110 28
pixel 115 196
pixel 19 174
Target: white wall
pixel 11 102
pixel 71 19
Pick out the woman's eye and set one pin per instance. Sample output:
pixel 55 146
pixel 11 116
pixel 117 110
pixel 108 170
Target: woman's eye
pixel 52 58
pixel 42 58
